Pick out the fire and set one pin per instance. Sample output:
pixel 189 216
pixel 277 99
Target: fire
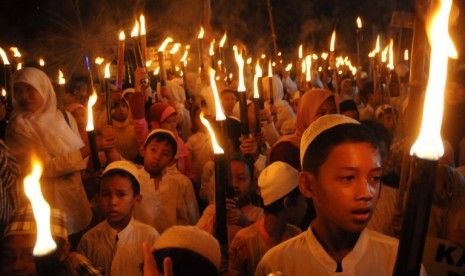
pixel 107 71
pixel 44 244
pixel 15 51
pixel 135 30
pixel 333 40
pixel 315 56
pixel 240 63
pixel 300 51
pixel 148 63
pixel 216 147
pixel 175 48
pixel 270 69
pixel 99 60
pixel 429 143
pixel 142 25
pixel 289 67
pixel 42 62
pixel 308 70
pixel 219 109
pixel 3 92
pixel 212 48
pixel 324 56
pixel 164 44
pixel 377 48
pixel 184 57
pixel 156 71
pixel 249 61
pixel 256 77
pixel 304 67
pixel 19 66
pixel 223 40
pixel 122 36
pixel 372 54
pixel 90 117
pixel 201 33
pixel 61 79
pixel 4 57
pixel 391 55
pixel 263 56
pixel 384 54
pixel 359 22
pixel 406 56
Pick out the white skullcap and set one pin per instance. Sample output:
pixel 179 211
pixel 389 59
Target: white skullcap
pixel 191 238
pixel 125 166
pixel 276 181
pixel 160 130
pixel 317 127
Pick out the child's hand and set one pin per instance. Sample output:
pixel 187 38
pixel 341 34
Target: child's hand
pixel 139 75
pixel 235 216
pixel 150 266
pixel 249 145
pixel 265 115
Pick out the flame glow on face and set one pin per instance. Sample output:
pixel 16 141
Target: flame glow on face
pixel 240 64
pixel 258 74
pixel 90 117
pixel 164 44
pixel 44 243
pixel 4 57
pixel 216 147
pixel 429 143
pixel 61 79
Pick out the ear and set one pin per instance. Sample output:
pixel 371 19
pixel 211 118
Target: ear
pixel 306 183
pixel 138 198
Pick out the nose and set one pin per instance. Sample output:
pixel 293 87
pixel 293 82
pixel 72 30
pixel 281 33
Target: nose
pixel 365 191
pixel 113 200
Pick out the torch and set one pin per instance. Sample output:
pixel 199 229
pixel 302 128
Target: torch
pixel 359 40
pixel 135 41
pixel 91 134
pixel 61 93
pixel 7 70
pixel 161 60
pixel 222 54
pixel 107 93
pixel 45 252
pixel 119 74
pixel 308 71
pixel 332 61
pixel 242 95
pixel 211 53
pixel 89 69
pixel 184 76
pixel 270 82
pixel 258 102
pixel 428 147
pixel 173 52
pixel 143 39
pixel 200 38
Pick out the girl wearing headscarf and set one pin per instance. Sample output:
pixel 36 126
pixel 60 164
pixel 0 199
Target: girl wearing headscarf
pixel 38 128
pixel 312 105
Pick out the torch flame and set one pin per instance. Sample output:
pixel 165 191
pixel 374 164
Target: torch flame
pixel 223 40
pixel 372 54
pixel 201 33
pixel 3 92
pixel 142 25
pixel 249 60
pixel 175 48
pixel 406 55
pixel 270 69
pixel 258 74
pixel 90 117
pixel 15 51
pixel 308 70
pixel 377 48
pixel 61 79
pixel 184 57
pixel 240 64
pixel 44 244
pixel 391 55
pixel 99 60
pixel 42 62
pixel 19 66
pixel 359 22
pixel 333 40
pixel 324 56
pixel 4 57
pixel 219 109
pixel 384 54
pixel 300 51
pixel 315 56
pixel 429 143
pixel 148 63
pixel 156 71
pixel 289 67
pixel 122 36
pixel 107 71
pixel 212 48
pixel 164 44
pixel 216 147
pixel 135 30
pixel 303 67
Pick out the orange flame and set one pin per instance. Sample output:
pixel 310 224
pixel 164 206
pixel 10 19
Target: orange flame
pixel 219 109
pixel 164 44
pixel 359 22
pixel 288 67
pixel 15 51
pixel 61 79
pixel 270 69
pixel 122 36
pixel 142 25
pixel 212 48
pixel 391 55
pixel 135 30
pixel 216 147
pixel 201 33
pixel 240 63
pixel 19 66
pixel 333 40
pixel 223 40
pixel 107 71
pixel 258 74
pixel 308 70
pixel 175 48
pixel 324 55
pixel 300 51
pixel 42 62
pixel 90 117
pixel 406 56
pixel 377 48
pixel 99 60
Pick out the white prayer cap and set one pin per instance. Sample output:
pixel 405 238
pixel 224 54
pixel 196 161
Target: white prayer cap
pixel 125 166
pixel 276 181
pixel 317 127
pixel 160 130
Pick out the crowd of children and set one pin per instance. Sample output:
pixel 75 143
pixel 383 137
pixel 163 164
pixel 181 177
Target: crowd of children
pixel 311 191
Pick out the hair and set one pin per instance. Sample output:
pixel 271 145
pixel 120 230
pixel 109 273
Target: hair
pixel 184 262
pixel 367 89
pixel 380 132
pixel 246 159
pixel 122 173
pixel 318 151
pixel 163 137
pixel 229 91
pixel 278 206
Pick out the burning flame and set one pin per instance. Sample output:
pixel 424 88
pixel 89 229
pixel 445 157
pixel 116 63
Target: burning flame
pixel 315 56
pixel 175 48
pixel 44 244
pixel 184 57
pixel 61 79
pixel 19 66
pixel 240 63
pixel 15 51
pixel 223 40
pixel 4 57
pixel 333 40
pixel 3 92
pixel 249 60
pixel 289 67
pixel 219 109
pixel 258 74
pixel 216 147
pixel 142 25
pixel 263 56
pixel 212 48
pixel 280 54
pixel 99 60
pixel 429 143
pixel 90 117
pixel 308 70
pixel 304 67
pixel 384 54
pixel 324 56
pixel 377 48
pixel 270 69
pixel 359 22
pixel 42 62
pixel 406 56
pixel 122 36
pixel 156 71
pixel 164 44
pixel 148 63
pixel 300 51
pixel 391 55
pixel 135 30
pixel 201 33
pixel 107 71
pixel 372 54
pixel 273 64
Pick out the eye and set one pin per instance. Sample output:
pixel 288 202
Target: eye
pixel 347 178
pixel 375 179
pixel 122 194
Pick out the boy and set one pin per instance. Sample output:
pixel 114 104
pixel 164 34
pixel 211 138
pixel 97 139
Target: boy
pixel 169 197
pixel 341 172
pixel 115 244
pixel 283 204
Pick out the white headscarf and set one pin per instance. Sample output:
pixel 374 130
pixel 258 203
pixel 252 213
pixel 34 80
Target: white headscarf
pixel 45 127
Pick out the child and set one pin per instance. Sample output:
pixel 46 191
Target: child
pixel 341 172
pixel 284 204
pixel 169 197
pixel 228 99
pixel 115 244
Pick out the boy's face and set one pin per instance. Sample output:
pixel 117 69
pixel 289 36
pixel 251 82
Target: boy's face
pixel 16 256
pixel 228 100
pixel 117 200
pixel 169 123
pixel 157 156
pixel 346 190
pixel 241 180
pixel 120 111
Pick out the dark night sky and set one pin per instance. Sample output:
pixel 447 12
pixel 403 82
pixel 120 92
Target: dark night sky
pixel 65 30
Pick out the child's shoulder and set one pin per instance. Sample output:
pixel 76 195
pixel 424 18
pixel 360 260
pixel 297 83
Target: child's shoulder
pixel 143 227
pixel 381 238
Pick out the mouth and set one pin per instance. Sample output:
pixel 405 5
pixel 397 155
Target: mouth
pixel 362 214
